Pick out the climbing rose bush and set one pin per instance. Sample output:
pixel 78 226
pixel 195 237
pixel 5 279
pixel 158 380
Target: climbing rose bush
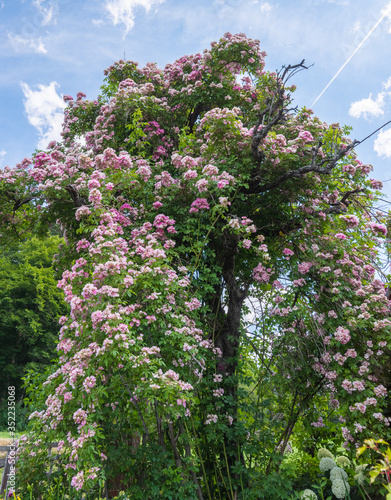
pixel 222 269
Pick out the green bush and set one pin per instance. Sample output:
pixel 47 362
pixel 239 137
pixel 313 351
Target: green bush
pixel 21 416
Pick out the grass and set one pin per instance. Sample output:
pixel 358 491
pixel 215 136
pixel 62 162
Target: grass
pixel 7 435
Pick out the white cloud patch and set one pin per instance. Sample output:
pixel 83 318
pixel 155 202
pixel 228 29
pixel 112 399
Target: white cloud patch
pixel 386 12
pixel 372 108
pixel 123 11
pixel 21 44
pixel 266 7
pixel 382 144
pixel 46 9
pixel 368 108
pixel 45 111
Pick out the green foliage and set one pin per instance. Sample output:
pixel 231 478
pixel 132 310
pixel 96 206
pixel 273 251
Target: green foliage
pixel 220 262
pixel 301 467
pixel 30 306
pixel 382 468
pixel 21 416
pixel 273 486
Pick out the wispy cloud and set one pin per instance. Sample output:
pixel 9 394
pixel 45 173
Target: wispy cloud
pixel 382 144
pixel 265 7
pixel 45 111
pixel 386 13
pixel 369 107
pixel 22 44
pixel 97 22
pixel 46 9
pixel 123 11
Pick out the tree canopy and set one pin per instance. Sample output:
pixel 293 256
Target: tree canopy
pixel 223 273
pixel 30 307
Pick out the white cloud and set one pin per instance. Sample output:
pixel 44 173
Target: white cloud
pixel 386 12
pixel 372 108
pixel 44 108
pixel 122 11
pixel 47 11
pixel 21 44
pixel 266 7
pixel 368 107
pixel 382 144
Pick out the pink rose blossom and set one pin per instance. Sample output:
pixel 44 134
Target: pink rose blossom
pixel 380 391
pixel 342 335
pixel 78 480
pixel 199 204
pixel 304 267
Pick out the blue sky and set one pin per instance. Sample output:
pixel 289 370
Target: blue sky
pixel 53 47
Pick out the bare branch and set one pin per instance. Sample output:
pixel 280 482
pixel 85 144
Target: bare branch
pixel 330 162
pixel 342 204
pixel 19 203
pixel 275 109
pixel 291 70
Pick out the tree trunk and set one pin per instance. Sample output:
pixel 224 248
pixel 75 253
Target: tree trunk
pixel 228 337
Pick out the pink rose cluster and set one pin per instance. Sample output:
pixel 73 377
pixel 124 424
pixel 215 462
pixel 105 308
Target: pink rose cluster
pixel 199 204
pixel 261 274
pixel 342 335
pixel 288 253
pixel 350 220
pixel 304 267
pixel 378 228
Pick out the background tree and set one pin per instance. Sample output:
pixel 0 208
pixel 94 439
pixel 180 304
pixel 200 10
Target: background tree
pixel 30 307
pixel 221 271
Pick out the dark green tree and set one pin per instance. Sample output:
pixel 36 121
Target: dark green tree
pixel 30 306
